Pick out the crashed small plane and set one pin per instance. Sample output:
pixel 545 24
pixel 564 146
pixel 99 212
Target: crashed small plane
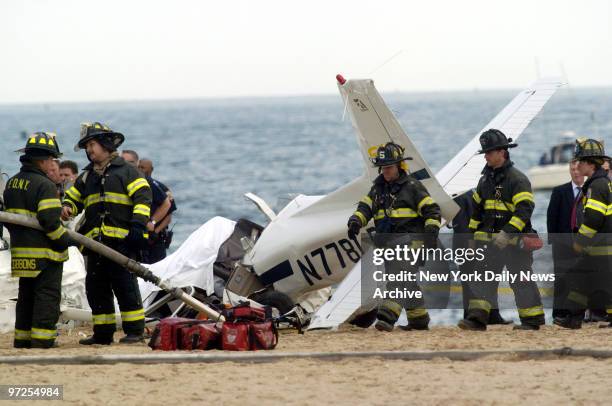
pixel 304 249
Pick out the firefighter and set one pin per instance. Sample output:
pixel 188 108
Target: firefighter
pixel 591 276
pixel 399 203
pixel 37 257
pixel 116 200
pixel 503 205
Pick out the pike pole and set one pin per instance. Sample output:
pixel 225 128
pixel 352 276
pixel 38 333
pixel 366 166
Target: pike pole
pixel 128 263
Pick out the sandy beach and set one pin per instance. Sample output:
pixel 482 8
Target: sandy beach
pixel 494 380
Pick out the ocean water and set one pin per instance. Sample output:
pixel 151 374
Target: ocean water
pixel 211 152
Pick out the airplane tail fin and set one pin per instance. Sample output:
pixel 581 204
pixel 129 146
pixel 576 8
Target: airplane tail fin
pixel 375 124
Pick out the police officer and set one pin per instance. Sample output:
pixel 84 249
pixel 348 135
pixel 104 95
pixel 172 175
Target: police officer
pixel 503 205
pixel 593 275
pixel 116 200
pixel 37 257
pixel 399 203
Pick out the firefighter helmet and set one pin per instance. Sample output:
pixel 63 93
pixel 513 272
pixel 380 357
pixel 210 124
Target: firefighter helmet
pixel 101 132
pixel 389 154
pixel 493 139
pixel 589 148
pixel 42 145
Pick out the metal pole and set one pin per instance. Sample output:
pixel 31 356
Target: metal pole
pixel 120 259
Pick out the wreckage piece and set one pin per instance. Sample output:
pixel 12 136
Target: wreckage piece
pixel 129 264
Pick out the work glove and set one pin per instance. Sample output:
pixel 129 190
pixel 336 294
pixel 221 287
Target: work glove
pixel 354 225
pixel 578 249
pixel 430 237
pixel 501 239
pixel 135 240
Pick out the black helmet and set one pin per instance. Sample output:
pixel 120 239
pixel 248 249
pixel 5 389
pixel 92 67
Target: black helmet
pixel 41 145
pixel 389 154
pixel 589 148
pixel 493 139
pixel 108 138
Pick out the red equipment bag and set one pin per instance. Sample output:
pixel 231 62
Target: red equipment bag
pixel 201 336
pixel 169 334
pixel 235 336
pixel 264 335
pixel 248 328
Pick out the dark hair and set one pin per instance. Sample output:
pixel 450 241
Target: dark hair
pixel 131 152
pixel 598 162
pixel 70 165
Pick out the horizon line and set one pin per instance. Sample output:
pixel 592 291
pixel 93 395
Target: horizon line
pixel 273 96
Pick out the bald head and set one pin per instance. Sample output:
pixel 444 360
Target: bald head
pixel 146 166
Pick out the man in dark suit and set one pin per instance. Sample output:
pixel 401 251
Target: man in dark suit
pixel 563 218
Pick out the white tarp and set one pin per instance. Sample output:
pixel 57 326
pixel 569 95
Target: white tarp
pixel 192 263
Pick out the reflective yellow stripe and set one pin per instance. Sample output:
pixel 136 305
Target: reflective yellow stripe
pixel 480 305
pixel 519 197
pixel 118 198
pixel 587 231
pixel 432 222
pixel 597 206
pixel 599 250
pixel 367 201
pixel 517 222
pixel 54 235
pixel 361 217
pixel 135 185
pixel 609 310
pixel 476 198
pixel 23 334
pixel 531 311
pixel 481 236
pixel 133 315
pixel 395 307
pixel 142 209
pixel 93 233
pixel 43 334
pixel 24 274
pixel 104 318
pixel 424 202
pixel 115 232
pixel 397 213
pixel 45 204
pixel 415 313
pixel 92 199
pixel 22 211
pixel 32 252
pixel 578 298
pixel 74 194
pixel 72 205
pixel 498 205
pixel 474 224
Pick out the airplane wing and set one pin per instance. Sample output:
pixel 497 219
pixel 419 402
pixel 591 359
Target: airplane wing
pixel 375 124
pixel 343 303
pixel 463 171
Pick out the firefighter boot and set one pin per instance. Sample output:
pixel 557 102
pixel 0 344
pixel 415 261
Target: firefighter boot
pixel 387 315
pixel 132 339
pixel 420 322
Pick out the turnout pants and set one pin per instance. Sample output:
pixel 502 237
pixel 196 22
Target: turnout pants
pixel 38 308
pixel 526 293
pixel 105 278
pixel 589 284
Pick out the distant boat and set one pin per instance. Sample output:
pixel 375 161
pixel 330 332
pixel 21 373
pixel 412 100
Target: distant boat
pixel 552 169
